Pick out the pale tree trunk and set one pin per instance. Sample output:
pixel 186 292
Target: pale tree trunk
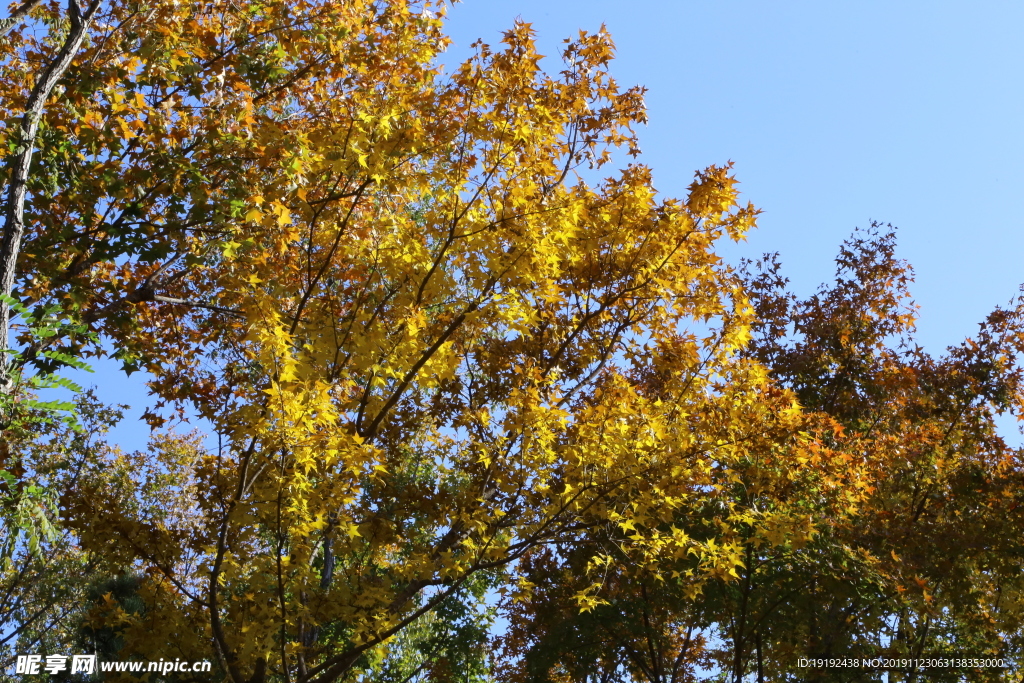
pixel 20 162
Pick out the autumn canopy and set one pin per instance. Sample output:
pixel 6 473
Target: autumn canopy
pixel 455 358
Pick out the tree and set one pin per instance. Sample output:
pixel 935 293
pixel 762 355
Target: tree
pixel 429 338
pixel 50 583
pixel 934 552
pixel 894 530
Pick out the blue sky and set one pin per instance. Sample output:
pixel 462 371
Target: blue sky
pixel 834 114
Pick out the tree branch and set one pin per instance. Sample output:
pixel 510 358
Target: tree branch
pixel 21 162
pixel 6 25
